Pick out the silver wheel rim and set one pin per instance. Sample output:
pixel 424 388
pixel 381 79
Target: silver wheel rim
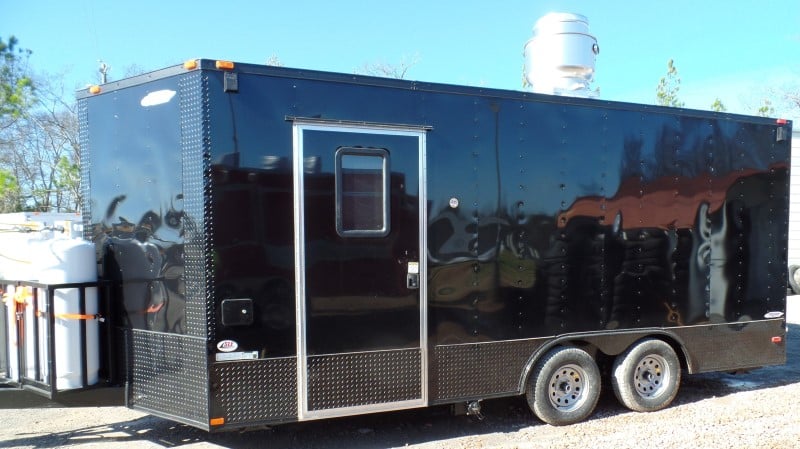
pixel 566 387
pixel 652 376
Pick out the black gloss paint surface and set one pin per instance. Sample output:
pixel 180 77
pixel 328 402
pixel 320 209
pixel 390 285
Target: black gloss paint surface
pixel 573 215
pixel 136 199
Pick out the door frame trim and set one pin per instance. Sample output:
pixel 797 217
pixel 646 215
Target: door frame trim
pixel 299 126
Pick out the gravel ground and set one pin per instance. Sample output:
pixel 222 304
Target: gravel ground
pixel 759 409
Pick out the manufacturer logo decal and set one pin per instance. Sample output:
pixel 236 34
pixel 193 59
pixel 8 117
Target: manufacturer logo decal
pixel 227 346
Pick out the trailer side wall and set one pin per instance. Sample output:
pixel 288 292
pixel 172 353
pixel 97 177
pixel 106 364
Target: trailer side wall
pixel 546 220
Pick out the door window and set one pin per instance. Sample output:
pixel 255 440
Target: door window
pixel 362 186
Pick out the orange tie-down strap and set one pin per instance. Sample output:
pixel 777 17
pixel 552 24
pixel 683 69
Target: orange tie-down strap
pixel 78 316
pixel 72 316
pixel 22 295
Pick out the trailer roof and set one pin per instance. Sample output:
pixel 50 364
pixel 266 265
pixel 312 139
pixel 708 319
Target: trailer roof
pixel 367 80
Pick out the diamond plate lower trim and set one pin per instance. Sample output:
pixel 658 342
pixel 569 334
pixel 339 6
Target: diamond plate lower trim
pixel 364 378
pixel 728 347
pixel 255 391
pixel 480 369
pixel 170 375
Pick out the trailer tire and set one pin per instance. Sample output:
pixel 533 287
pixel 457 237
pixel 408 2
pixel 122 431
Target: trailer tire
pixel 646 377
pixel 794 279
pixel 564 386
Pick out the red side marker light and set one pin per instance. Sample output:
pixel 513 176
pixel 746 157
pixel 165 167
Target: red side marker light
pixel 781 121
pixel 777 339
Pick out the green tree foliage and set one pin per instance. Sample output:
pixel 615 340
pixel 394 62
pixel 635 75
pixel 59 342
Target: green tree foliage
pixel 9 192
pixel 766 109
pixel 67 181
pixel 717 106
pixel 668 87
pixel 16 87
pixel 16 94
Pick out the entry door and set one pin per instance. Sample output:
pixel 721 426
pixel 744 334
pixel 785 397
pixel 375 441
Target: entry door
pixel 360 268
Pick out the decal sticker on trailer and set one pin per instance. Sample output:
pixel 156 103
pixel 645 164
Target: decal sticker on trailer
pixel 228 356
pixel 227 346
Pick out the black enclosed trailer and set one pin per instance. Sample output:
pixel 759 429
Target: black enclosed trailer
pixel 289 245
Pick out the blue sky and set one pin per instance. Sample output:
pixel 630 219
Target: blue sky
pixel 735 50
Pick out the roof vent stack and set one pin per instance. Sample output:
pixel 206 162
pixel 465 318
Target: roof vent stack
pixel 560 57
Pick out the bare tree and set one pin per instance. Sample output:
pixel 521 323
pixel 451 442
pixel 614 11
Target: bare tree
pixel 794 98
pixel 40 153
pixel 274 61
pixel 790 98
pixel 780 96
pixel 387 70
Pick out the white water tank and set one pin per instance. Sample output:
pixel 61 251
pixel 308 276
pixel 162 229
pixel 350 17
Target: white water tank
pixel 63 261
pixel 560 57
pixel 19 229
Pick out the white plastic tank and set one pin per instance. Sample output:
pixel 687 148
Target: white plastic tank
pixel 62 261
pixel 560 57
pixel 19 229
pixel 15 255
pixel 22 234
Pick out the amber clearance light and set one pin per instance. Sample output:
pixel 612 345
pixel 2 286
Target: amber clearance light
pixel 216 421
pixel 225 65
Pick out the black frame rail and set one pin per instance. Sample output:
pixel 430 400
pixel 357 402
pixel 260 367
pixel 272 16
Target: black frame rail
pixel 38 384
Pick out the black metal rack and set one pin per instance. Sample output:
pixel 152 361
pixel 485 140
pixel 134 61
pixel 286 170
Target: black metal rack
pixel 47 387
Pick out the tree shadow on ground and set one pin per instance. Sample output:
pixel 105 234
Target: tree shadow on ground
pixel 393 429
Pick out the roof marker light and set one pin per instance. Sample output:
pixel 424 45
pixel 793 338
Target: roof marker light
pixel 225 65
pixel 781 121
pixel 190 64
pixel 94 89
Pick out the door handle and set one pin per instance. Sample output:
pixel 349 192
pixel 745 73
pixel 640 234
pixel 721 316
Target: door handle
pixel 412 281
